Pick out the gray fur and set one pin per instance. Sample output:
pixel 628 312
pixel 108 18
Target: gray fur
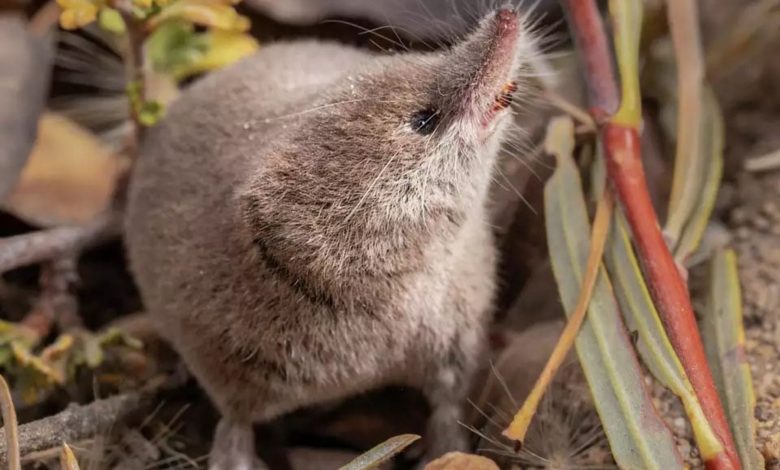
pixel 298 242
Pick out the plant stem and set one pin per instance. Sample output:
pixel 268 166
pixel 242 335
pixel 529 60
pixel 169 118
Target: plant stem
pixel 588 31
pixel 625 172
pixel 134 65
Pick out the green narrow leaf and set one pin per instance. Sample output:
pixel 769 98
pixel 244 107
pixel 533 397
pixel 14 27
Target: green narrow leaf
pixel 724 340
pixel 638 437
pixel 653 344
pixel 709 168
pixel 381 453
pixel 697 172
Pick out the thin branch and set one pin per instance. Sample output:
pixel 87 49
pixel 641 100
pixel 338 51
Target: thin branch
pixel 588 31
pixel 75 423
pixel 31 248
pixel 57 302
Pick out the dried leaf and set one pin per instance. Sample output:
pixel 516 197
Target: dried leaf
pixel 637 435
pixel 24 80
pixel 69 179
pixel 461 461
pixel 67 459
pixel 381 453
pixel 724 339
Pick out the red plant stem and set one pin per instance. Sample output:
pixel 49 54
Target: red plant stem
pixel 625 172
pixel 667 286
pixel 588 31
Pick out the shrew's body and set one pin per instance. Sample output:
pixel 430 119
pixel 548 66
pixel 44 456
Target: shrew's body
pixel 311 223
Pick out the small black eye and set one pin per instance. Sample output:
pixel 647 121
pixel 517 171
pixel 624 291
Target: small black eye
pixel 424 122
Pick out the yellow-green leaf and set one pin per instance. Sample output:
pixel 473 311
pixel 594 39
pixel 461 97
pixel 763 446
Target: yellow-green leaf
pixel 34 378
pixel 18 333
pixel 58 349
pixel 706 175
pixel 214 14
pixel 111 20
pixel 115 336
pixel 222 49
pixel 627 21
pixel 637 435
pixel 93 350
pixel 174 45
pixel 723 333
pixel 77 13
pixel 381 453
pixel 150 112
pixel 653 343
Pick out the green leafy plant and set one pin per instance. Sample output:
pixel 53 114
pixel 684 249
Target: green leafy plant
pixel 36 370
pixel 643 274
pixel 160 38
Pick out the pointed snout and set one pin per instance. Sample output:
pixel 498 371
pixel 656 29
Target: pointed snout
pixel 486 59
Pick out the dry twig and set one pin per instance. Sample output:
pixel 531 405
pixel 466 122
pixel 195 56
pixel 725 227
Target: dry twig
pixel 75 423
pixel 30 248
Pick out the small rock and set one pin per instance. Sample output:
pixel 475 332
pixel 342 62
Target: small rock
pixel 771 448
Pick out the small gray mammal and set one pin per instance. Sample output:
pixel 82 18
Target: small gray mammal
pixel 311 223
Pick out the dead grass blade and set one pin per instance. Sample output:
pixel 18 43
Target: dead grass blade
pixel 10 425
pixel 559 141
pixel 381 453
pixel 67 459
